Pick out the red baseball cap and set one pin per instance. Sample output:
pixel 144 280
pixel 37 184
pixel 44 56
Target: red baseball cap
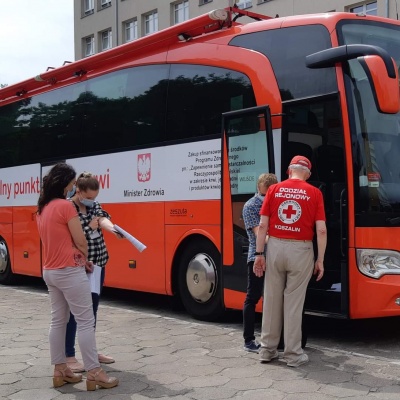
pixel 301 160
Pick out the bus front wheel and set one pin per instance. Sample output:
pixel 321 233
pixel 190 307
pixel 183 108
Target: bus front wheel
pixel 200 281
pixel 6 275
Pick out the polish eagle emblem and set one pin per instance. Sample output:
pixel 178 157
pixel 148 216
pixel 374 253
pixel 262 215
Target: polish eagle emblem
pixel 144 167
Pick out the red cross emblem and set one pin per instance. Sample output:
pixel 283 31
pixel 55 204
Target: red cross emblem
pixel 289 211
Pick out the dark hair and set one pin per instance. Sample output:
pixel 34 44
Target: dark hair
pixel 87 181
pixel 54 184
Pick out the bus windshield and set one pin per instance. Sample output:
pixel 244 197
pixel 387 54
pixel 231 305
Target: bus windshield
pixel 375 136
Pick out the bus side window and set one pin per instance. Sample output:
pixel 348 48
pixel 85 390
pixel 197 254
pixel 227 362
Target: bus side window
pixel 126 108
pixel 198 95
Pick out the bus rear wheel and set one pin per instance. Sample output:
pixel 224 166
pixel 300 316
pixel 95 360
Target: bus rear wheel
pixel 7 277
pixel 199 280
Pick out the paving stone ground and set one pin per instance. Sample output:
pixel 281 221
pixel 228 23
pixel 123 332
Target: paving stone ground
pixel 159 357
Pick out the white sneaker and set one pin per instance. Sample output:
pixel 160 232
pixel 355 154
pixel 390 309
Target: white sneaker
pixel 267 356
pixel 303 359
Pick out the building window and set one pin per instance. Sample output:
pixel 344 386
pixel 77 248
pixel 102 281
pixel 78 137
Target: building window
pixel 88 46
pixel 131 30
pixel 151 23
pixel 88 7
pixel 201 2
pixel 106 40
pixel 105 3
pixel 367 9
pixel 242 4
pixel 181 11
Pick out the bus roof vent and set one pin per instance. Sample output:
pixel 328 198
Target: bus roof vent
pixel 218 15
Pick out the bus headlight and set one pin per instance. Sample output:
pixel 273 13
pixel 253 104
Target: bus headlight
pixel 375 263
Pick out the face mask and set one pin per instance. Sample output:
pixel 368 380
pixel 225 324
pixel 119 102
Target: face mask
pixel 71 192
pixel 87 202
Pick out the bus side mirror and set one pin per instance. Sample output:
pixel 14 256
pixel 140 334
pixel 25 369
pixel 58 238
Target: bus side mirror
pixel 379 67
pixel 385 88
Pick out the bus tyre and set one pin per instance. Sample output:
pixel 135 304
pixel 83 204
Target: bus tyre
pixel 7 277
pixel 199 280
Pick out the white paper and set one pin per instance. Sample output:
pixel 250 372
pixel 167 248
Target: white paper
pixel 139 245
pixel 94 279
pixel 95 234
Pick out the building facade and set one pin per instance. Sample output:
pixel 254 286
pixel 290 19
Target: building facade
pixel 102 24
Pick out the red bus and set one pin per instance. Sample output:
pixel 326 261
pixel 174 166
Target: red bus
pixel 178 125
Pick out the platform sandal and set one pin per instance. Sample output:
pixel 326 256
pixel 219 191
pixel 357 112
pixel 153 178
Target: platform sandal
pixel 60 380
pixel 92 381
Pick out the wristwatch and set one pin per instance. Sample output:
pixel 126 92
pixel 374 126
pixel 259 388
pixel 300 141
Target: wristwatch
pixel 259 253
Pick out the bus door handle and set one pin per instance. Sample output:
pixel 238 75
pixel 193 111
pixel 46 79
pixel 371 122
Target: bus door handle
pixel 342 205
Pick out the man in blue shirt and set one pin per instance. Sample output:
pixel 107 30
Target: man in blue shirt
pixel 251 218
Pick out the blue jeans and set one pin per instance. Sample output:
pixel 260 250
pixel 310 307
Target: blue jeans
pixel 255 286
pixel 71 326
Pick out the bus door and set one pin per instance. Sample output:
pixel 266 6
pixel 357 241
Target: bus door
pixel 247 152
pixel 313 128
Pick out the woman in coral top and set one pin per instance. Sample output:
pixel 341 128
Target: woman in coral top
pixel 64 271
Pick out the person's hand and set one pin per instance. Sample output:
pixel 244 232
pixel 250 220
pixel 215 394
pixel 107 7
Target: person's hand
pixel 89 267
pixel 319 269
pixel 94 223
pixel 118 235
pixel 259 266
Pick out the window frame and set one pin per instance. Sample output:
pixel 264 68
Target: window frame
pixel 363 8
pixel 150 18
pixel 87 44
pixel 134 29
pixel 244 4
pixel 181 8
pixel 106 35
pixel 88 7
pixel 105 3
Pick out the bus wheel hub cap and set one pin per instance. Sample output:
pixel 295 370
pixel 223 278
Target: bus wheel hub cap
pixel 201 278
pixel 3 257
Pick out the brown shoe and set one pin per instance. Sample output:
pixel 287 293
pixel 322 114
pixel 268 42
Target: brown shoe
pixel 105 359
pixel 100 378
pixel 74 365
pixel 65 375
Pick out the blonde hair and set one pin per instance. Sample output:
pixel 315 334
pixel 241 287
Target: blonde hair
pixel 266 180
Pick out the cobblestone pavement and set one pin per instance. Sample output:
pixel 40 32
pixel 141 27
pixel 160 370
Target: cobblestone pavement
pixel 159 357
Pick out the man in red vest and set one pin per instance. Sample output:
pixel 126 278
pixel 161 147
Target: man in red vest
pixel 292 210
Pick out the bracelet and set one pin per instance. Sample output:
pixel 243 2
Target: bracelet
pixel 259 253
